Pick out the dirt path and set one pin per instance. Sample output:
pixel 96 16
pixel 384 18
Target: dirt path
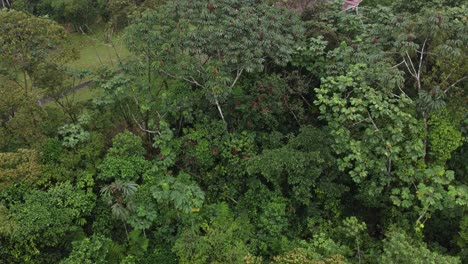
pixel 69 91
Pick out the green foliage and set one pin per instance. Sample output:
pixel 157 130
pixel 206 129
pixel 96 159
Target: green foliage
pixel 399 248
pixel 161 255
pixel 46 219
pixel 462 240
pixel 372 130
pixel 270 102
pixel 302 256
pixel 203 144
pixel 218 238
pixel 51 150
pixel 78 165
pixel 28 43
pixel 354 230
pixel 444 137
pixel 312 55
pixel 119 196
pixel 20 117
pixel 297 165
pixel 138 245
pixel 210 145
pixel 210 45
pixel 122 168
pixel 320 250
pixel 79 13
pixel 120 12
pixel 179 193
pixel 73 134
pixel 89 250
pixel 124 160
pixel 417 6
pixel 272 226
pixel 21 166
pixel 127 144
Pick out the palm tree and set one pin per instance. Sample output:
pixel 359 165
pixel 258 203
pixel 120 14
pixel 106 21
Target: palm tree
pixel 119 195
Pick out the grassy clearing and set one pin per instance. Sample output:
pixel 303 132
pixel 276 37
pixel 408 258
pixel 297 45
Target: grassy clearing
pixel 95 52
pixel 81 95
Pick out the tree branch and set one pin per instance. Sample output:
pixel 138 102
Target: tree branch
pixel 140 126
pixel 220 110
pixel 191 80
pixel 396 66
pixel 455 83
pixel 409 69
pixel 421 216
pixel 412 65
pixel 421 57
pixel 372 120
pixel 239 73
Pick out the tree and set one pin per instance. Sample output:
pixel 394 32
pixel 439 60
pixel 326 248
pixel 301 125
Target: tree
pixel 89 250
pixel 231 135
pixel 80 13
pixel 381 144
pixel 20 117
pixel 399 248
pixel 124 161
pixel 21 166
pixel 430 47
pixel 220 238
pixel 178 193
pixel 46 219
pixel 28 43
pixel 370 127
pixel 295 168
pixel 119 195
pixel 210 45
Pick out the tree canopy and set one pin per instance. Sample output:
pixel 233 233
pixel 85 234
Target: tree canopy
pixel 233 131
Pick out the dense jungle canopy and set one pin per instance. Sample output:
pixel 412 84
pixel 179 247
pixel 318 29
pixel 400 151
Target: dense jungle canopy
pixel 233 131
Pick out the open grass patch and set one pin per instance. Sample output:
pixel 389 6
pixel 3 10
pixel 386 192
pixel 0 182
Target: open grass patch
pixel 97 49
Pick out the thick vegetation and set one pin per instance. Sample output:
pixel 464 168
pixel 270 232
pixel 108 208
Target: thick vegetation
pixel 235 131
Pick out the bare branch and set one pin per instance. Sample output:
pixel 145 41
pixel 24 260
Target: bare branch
pixel 446 78
pixel 140 126
pixel 375 125
pixel 357 123
pixel 220 110
pixel 307 102
pixel 455 83
pixel 417 74
pixel 412 65
pixel 421 57
pixel 232 199
pixel 191 80
pixel 396 66
pixel 401 90
pixel 409 69
pixel 421 216
pixel 145 130
pixel 239 73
